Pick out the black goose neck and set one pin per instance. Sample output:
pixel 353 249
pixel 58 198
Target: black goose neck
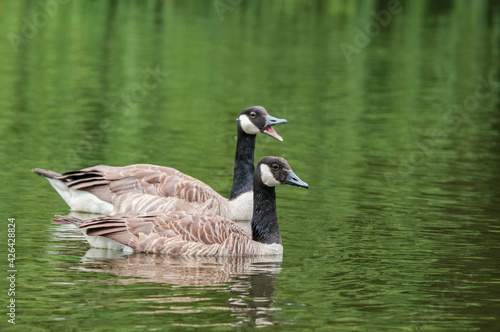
pixel 265 227
pixel 243 163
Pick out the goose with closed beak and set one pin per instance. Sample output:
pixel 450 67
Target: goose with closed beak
pixel 106 189
pixel 181 233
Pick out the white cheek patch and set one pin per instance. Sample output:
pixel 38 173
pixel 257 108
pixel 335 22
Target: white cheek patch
pixel 247 125
pixel 267 176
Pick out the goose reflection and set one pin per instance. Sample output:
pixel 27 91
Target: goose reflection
pixel 251 280
pixel 178 271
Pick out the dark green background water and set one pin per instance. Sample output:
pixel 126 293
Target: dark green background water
pixel 396 128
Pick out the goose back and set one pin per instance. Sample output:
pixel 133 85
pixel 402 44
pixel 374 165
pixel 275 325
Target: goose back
pixel 136 204
pixel 177 234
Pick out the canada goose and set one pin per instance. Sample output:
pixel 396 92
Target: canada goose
pixel 98 189
pixel 180 233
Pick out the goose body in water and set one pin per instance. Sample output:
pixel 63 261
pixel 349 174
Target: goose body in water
pixel 181 233
pixel 106 189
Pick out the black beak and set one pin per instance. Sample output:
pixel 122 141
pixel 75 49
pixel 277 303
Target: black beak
pixel 271 120
pixel 268 127
pixel 294 180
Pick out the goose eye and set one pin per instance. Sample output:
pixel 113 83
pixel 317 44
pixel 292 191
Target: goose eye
pixel 275 166
pixel 253 115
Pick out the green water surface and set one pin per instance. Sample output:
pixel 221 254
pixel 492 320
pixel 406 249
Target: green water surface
pixel 393 120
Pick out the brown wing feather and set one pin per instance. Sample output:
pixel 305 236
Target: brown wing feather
pixel 160 181
pixel 113 227
pixel 107 183
pixel 176 234
pixel 136 204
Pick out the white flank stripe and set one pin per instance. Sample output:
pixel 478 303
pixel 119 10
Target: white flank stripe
pixel 79 200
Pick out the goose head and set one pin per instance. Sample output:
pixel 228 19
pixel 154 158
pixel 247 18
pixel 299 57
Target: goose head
pixel 275 171
pixel 254 120
pixel 269 173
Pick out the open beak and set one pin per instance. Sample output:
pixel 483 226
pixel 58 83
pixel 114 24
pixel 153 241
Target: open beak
pixel 268 128
pixel 294 180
